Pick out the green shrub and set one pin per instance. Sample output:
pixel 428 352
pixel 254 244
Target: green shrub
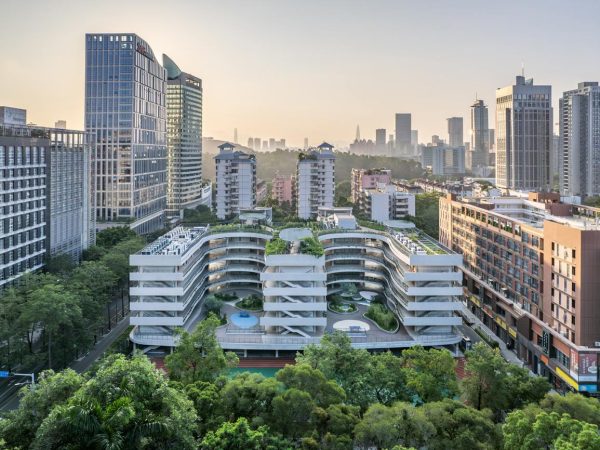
pixel 276 246
pixel 311 246
pixel 382 317
pixel 252 302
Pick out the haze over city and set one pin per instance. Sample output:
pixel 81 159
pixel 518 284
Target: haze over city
pixel 316 69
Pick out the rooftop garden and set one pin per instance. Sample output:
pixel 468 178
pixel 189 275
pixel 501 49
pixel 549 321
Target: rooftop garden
pixel 370 224
pixel 276 246
pixel 237 227
pixel 311 246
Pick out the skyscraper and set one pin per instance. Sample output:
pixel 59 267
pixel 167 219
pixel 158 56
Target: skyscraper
pixel 524 135
pixel 480 136
pixel 403 127
pixel 414 141
pixel 184 139
pixel 256 144
pixel 580 140
pixel 455 132
pixel 125 109
pixel 251 143
pixel 305 143
pixel 235 181
pixel 235 136
pixel 380 144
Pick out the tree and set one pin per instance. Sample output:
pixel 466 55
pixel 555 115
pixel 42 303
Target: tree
pixel 61 265
pixel 238 435
pixel 575 405
pixel 198 356
pixel 387 379
pixel 213 305
pixel 110 237
pixel 207 402
pixel 493 383
pixel 57 312
pixel 93 253
pixel 459 426
pixel 400 424
pixel 429 374
pixel 249 395
pixel 19 427
pixel 292 413
pixel 303 377
pixel 427 213
pixel 334 426
pixel 127 404
pixel 338 361
pixel 526 431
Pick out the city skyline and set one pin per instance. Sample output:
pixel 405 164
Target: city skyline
pixel 248 73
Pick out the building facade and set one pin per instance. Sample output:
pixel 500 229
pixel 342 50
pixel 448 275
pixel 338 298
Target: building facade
pixel 184 139
pixel 23 228
pixel 478 155
pixel 419 279
pixel 125 109
pixel 235 181
pixel 72 226
pixel 455 132
pixel 380 141
pixel 368 179
pixel 403 134
pixel 443 160
pixel 315 181
pixel 531 275
pixel 386 202
pixel 579 147
pixel 523 136
pixel 282 189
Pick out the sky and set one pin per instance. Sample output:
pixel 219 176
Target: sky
pixel 308 68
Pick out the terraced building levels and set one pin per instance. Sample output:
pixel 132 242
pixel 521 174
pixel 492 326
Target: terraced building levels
pixel 296 275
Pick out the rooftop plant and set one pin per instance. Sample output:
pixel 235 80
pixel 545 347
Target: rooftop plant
pixel 311 246
pixel 276 246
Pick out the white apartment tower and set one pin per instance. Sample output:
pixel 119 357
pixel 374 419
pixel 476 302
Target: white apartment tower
pixel 579 147
pixel 235 181
pixel 315 181
pixel 523 135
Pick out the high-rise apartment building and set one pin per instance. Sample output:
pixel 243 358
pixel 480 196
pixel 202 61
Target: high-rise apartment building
pixel 455 132
pixel 315 181
pixel 305 143
pixel 403 134
pixel 235 181
pixel 531 271
pixel 368 179
pixel 479 151
pixel 256 144
pixel 380 143
pixel 580 140
pixel 524 135
pixel 414 141
pixel 184 139
pixel 125 109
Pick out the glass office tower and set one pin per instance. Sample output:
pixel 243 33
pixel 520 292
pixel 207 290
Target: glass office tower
pixel 125 107
pixel 184 139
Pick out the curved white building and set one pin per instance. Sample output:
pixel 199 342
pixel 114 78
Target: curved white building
pixel 420 280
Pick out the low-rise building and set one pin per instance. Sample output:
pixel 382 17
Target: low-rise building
pixel 531 275
pixel 368 179
pixel 386 202
pixel 282 189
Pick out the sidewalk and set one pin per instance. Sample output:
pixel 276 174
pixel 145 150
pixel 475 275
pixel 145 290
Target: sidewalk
pixel 508 355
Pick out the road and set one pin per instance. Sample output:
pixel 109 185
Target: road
pixel 9 398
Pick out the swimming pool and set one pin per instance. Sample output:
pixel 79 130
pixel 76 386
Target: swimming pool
pixel 243 320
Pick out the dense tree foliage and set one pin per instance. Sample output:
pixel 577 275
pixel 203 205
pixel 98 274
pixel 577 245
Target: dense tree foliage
pixel 48 319
pixel 284 162
pixel 334 398
pixel 427 213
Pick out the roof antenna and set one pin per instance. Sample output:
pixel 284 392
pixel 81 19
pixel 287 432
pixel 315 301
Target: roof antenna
pixel 523 69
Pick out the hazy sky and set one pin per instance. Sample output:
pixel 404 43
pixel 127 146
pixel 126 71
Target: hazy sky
pixel 313 68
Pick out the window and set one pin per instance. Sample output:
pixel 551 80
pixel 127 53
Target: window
pixel 573 253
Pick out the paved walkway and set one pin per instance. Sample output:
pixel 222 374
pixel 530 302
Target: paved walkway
pixel 508 355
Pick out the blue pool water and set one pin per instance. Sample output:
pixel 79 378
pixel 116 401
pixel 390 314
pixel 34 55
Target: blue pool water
pixel 243 320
